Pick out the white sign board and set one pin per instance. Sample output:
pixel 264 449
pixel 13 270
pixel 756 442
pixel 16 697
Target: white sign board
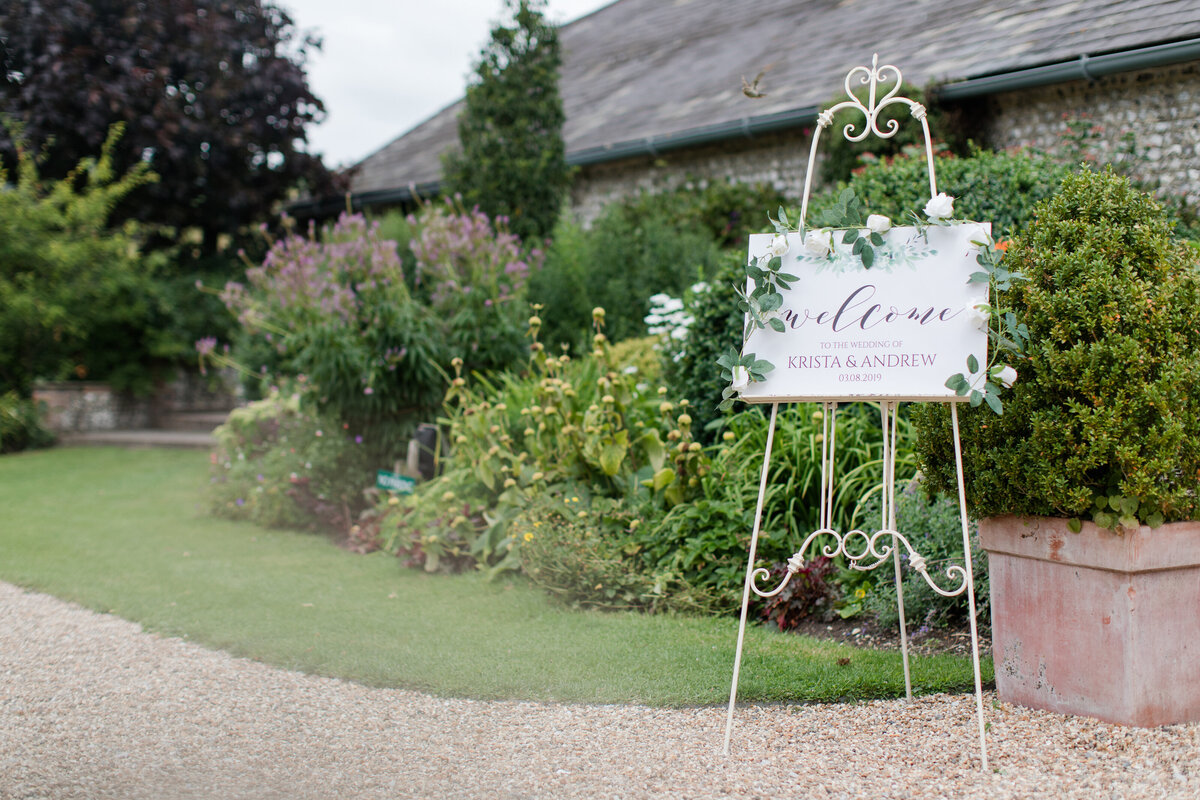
pixel 895 331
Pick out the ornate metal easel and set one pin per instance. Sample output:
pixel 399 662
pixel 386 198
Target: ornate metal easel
pixel 866 551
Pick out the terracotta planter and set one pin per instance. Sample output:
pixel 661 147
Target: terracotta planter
pixel 1096 623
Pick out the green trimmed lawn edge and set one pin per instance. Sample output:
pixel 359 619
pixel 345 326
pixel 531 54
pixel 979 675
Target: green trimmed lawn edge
pixel 125 532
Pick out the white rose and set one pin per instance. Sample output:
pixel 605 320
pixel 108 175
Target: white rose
pixel 779 245
pixel 1004 375
pixel 940 207
pixel 978 314
pixel 878 223
pixel 819 243
pixel 741 378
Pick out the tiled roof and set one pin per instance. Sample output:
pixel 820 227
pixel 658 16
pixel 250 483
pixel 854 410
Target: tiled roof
pixel 646 68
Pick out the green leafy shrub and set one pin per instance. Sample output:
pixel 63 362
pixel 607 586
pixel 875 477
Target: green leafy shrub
pixel 21 425
pixel 333 312
pixel 1002 188
pixel 1104 421
pixel 704 543
pixel 642 245
pixel 716 324
pixel 934 528
pixel 584 425
pixel 78 297
pixel 280 465
pixel 472 275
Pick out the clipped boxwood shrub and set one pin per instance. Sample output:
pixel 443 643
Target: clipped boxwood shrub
pixel 1001 188
pixel 1104 420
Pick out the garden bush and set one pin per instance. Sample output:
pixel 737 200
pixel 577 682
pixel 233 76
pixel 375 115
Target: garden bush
pixel 78 296
pixel 639 246
pixel 588 559
pixel 281 465
pixel 1104 420
pixel 584 426
pixel 998 187
pixel 689 362
pixel 934 528
pixel 333 313
pixel 21 425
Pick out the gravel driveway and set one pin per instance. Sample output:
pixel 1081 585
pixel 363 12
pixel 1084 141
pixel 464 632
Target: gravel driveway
pixel 92 707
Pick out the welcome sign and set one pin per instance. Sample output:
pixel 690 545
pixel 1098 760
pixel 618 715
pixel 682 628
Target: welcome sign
pixel 895 331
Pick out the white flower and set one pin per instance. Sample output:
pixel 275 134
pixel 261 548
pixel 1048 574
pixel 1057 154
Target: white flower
pixel 940 207
pixel 779 245
pixel 978 315
pixel 878 223
pixel 819 243
pixel 1004 375
pixel 741 378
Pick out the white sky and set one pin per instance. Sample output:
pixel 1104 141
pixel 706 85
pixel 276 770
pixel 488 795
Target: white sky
pixel 387 65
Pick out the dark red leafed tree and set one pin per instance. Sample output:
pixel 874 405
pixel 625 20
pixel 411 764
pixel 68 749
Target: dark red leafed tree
pixel 212 92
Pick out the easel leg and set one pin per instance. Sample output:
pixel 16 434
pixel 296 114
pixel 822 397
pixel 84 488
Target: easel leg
pixel 762 492
pixel 889 523
pixel 962 508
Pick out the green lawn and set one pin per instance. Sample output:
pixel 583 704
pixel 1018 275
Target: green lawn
pixel 122 531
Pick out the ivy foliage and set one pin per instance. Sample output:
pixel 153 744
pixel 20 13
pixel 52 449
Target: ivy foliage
pixel 1103 422
pixel 512 162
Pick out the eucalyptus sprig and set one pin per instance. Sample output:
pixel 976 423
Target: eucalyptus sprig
pixel 739 371
pixel 1008 335
pixel 761 304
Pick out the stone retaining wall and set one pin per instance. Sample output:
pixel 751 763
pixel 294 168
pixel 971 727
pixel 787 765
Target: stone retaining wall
pixel 86 406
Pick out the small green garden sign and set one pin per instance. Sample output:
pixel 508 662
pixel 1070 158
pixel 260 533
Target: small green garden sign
pixel 394 483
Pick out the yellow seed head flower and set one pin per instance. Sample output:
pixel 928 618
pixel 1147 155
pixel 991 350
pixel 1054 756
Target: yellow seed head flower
pixel 535 321
pixel 694 447
pixel 666 407
pixel 685 419
pixel 728 436
pixel 393 501
pixel 447 497
pixel 509 483
pixel 608 398
pixel 537 476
